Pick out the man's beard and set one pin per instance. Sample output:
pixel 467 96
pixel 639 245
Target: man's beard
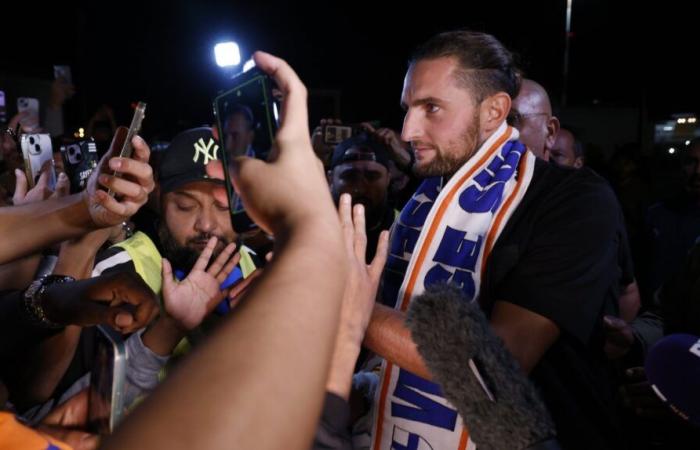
pixel 184 258
pixel 453 156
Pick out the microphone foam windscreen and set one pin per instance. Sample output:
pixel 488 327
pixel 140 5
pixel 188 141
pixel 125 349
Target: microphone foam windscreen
pixel 477 374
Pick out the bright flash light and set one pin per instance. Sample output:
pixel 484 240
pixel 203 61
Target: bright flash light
pixel 227 54
pixel 671 151
pixel 681 120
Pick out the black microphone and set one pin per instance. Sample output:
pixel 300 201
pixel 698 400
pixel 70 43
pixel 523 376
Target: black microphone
pixel 673 369
pixel 498 403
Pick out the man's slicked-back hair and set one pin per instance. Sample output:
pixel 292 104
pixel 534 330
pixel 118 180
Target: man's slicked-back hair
pixel 486 66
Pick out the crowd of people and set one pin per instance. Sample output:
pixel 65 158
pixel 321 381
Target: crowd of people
pixel 294 333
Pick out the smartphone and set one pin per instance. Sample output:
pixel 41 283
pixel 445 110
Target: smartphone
pixel 123 141
pixel 3 108
pixel 29 105
pixel 247 119
pixel 63 72
pixel 37 151
pixel 335 134
pixel 79 160
pixel 107 381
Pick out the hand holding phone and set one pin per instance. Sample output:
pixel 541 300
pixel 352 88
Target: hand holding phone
pixel 107 381
pixel 247 120
pixel 29 108
pixel 290 188
pixel 125 142
pixel 37 151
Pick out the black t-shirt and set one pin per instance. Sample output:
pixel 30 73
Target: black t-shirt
pixel 563 255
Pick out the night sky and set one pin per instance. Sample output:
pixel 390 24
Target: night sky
pixel 162 52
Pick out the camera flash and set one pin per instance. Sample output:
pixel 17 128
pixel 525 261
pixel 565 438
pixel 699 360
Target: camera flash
pixel 227 54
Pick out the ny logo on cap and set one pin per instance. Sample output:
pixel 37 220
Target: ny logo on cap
pixel 204 149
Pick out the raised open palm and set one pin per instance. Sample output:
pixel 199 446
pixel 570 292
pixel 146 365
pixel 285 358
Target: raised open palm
pixel 190 300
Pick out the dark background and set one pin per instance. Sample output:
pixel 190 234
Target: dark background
pixel 622 55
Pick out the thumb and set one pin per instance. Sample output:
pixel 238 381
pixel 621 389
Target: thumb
pixel 215 169
pixel 167 274
pixel 62 186
pixel 244 170
pixel 20 185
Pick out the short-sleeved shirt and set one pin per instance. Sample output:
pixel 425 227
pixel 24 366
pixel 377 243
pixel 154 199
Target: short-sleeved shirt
pixel 564 255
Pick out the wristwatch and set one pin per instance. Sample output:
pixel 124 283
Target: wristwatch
pixel 33 299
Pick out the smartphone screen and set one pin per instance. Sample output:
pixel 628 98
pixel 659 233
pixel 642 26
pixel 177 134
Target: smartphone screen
pixel 107 378
pixel 247 119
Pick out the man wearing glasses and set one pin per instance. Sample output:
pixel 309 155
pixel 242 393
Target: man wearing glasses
pixel 531 114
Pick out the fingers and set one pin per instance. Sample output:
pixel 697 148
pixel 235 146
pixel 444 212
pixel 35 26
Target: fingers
pixel 44 174
pixel 377 265
pixel 360 235
pixel 239 288
pixel 203 260
pixel 72 413
pixel 142 151
pixel 222 261
pixel 121 320
pixel 142 306
pixel 20 186
pixel 215 169
pixel 122 187
pixel 345 215
pixel 167 271
pixel 62 186
pixel 294 115
pixel 124 208
pixel 135 171
pixel 228 268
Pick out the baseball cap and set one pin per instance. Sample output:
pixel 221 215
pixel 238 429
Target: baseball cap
pixel 186 158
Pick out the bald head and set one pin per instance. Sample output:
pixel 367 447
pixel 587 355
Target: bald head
pixel 531 114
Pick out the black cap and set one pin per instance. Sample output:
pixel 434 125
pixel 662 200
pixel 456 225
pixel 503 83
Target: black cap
pixel 185 159
pixel 370 150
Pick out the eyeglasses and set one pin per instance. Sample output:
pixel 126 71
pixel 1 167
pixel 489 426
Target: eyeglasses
pixel 515 118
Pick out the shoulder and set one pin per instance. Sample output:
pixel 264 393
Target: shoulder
pixel 114 259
